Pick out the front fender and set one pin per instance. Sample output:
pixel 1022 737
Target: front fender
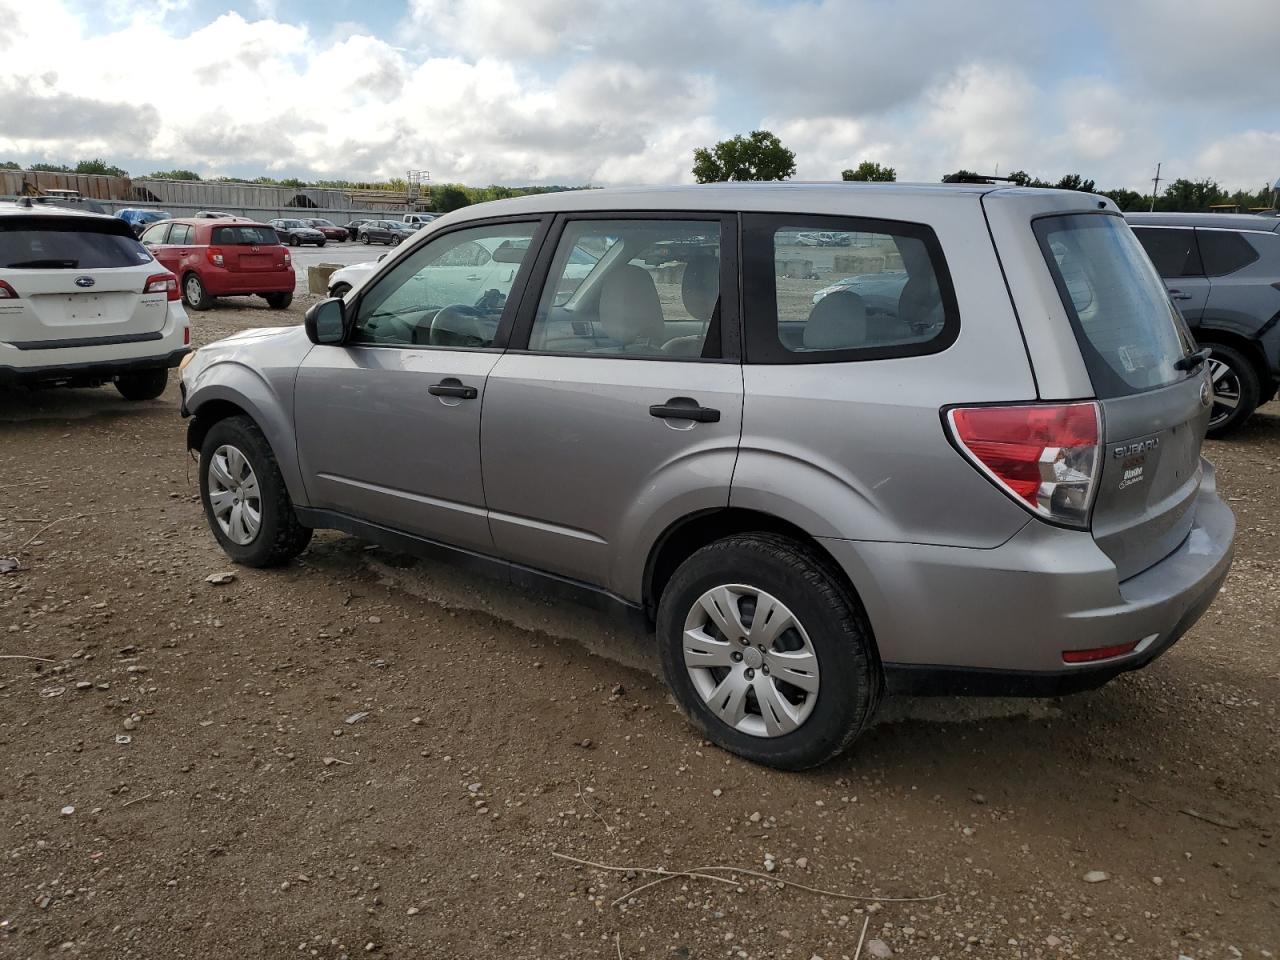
pixel 269 405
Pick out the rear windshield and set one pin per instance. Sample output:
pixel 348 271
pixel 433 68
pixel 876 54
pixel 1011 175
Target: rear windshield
pixel 44 243
pixel 248 234
pixel 1129 332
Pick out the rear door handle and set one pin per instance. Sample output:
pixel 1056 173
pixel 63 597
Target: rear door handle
pixel 453 387
pixel 684 408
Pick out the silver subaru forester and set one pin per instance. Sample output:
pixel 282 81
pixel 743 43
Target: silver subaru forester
pixel 829 441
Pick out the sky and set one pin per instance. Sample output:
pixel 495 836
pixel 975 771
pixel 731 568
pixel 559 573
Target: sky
pixel 609 92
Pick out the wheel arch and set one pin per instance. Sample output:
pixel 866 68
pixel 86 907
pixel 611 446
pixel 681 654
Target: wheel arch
pixel 692 532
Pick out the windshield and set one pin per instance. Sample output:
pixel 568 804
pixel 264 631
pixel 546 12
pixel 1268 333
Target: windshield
pixel 292 224
pixel 247 234
pixel 47 244
pixel 1129 332
pixel 320 223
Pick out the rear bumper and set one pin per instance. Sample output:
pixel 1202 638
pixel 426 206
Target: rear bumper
pixel 229 283
pixel 97 358
pixel 89 370
pixel 996 622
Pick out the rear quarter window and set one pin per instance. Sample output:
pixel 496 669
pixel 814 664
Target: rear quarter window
pixel 1224 251
pixel 1129 332
pixel 47 243
pixel 1173 251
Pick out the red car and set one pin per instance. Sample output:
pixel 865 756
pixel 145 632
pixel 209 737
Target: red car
pixel 330 229
pixel 223 258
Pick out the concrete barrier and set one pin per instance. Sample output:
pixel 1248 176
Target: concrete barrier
pixel 796 269
pixel 318 277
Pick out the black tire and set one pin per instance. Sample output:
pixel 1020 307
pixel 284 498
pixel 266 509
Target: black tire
pixel 280 536
pixel 395 241
pixel 278 301
pixel 194 294
pixel 320 243
pixel 294 241
pixel 364 238
pixel 1239 383
pixel 810 586
pixel 339 290
pixel 143 385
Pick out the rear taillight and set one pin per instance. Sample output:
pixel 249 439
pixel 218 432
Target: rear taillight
pixel 1046 456
pixel 7 292
pixel 165 283
pixel 288 260
pixel 215 256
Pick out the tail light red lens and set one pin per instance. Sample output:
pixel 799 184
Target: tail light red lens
pixel 215 256
pixel 163 283
pixel 1098 653
pixel 7 292
pixel 1047 456
pixel 288 260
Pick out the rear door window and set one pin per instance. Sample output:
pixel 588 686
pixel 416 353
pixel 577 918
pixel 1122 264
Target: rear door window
pixel 1129 332
pixel 1173 251
pixel 47 243
pixel 1224 251
pixel 826 289
pixel 181 233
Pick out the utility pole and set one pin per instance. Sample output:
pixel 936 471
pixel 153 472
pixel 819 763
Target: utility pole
pixel 1155 187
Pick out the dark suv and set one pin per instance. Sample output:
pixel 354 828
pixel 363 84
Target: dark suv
pixel 1223 271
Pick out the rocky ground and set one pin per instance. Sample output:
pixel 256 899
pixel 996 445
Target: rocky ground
pixel 363 755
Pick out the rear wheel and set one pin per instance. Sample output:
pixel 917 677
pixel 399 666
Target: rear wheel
pixel 194 295
pixel 244 496
pixel 278 301
pixel 142 385
pixel 1235 389
pixel 767 651
pixel 364 238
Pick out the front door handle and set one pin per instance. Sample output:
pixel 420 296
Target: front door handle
pixel 453 387
pixel 1179 295
pixel 684 408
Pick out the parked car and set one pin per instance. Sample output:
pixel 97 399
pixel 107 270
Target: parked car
pixel 220 215
pixel 999 492
pixel 343 280
pixel 330 229
pixel 1223 271
pixel 296 233
pixel 353 228
pixel 417 220
pixel 83 303
pixel 223 258
pixel 140 219
pixel 384 231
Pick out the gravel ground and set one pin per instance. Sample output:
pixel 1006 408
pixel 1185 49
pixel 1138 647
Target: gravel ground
pixel 366 755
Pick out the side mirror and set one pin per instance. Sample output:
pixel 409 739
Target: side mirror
pixel 326 322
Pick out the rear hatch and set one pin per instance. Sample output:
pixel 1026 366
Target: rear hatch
pixel 75 279
pixel 1155 409
pixel 250 248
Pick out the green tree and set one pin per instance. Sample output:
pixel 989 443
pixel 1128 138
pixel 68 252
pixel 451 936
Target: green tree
pixel 1073 181
pixel 175 175
pixel 101 167
pixel 449 196
pixel 49 168
pixel 760 156
pixel 1190 196
pixel 965 176
pixel 9 165
pixel 870 172
pixel 1128 200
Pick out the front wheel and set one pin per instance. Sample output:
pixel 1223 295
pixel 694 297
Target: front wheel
pixel 294 241
pixel 143 385
pixel 1235 389
pixel 244 496
pixel 320 243
pixel 278 301
pixel 339 290
pixel 194 294
pixel 768 652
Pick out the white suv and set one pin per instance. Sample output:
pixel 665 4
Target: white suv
pixel 83 303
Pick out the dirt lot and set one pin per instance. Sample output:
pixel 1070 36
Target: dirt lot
pixel 362 755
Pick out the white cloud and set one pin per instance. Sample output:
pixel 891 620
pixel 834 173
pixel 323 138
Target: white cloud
pixel 611 91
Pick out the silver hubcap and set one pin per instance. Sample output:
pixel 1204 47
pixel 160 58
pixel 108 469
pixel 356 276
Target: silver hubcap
pixel 751 661
pixel 234 495
pixel 1226 391
pixel 194 291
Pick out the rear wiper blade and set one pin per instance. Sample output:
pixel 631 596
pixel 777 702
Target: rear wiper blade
pixel 1192 360
pixel 44 265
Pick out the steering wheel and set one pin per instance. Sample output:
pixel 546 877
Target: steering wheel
pixel 459 325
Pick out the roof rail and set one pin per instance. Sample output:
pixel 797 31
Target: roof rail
pixel 974 178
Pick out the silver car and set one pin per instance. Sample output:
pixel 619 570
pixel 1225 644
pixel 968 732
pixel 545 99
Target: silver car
pixel 989 482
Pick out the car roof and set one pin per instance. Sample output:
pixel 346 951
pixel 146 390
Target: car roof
pixel 14 208
pixel 837 198
pixel 1220 221
pixel 217 222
